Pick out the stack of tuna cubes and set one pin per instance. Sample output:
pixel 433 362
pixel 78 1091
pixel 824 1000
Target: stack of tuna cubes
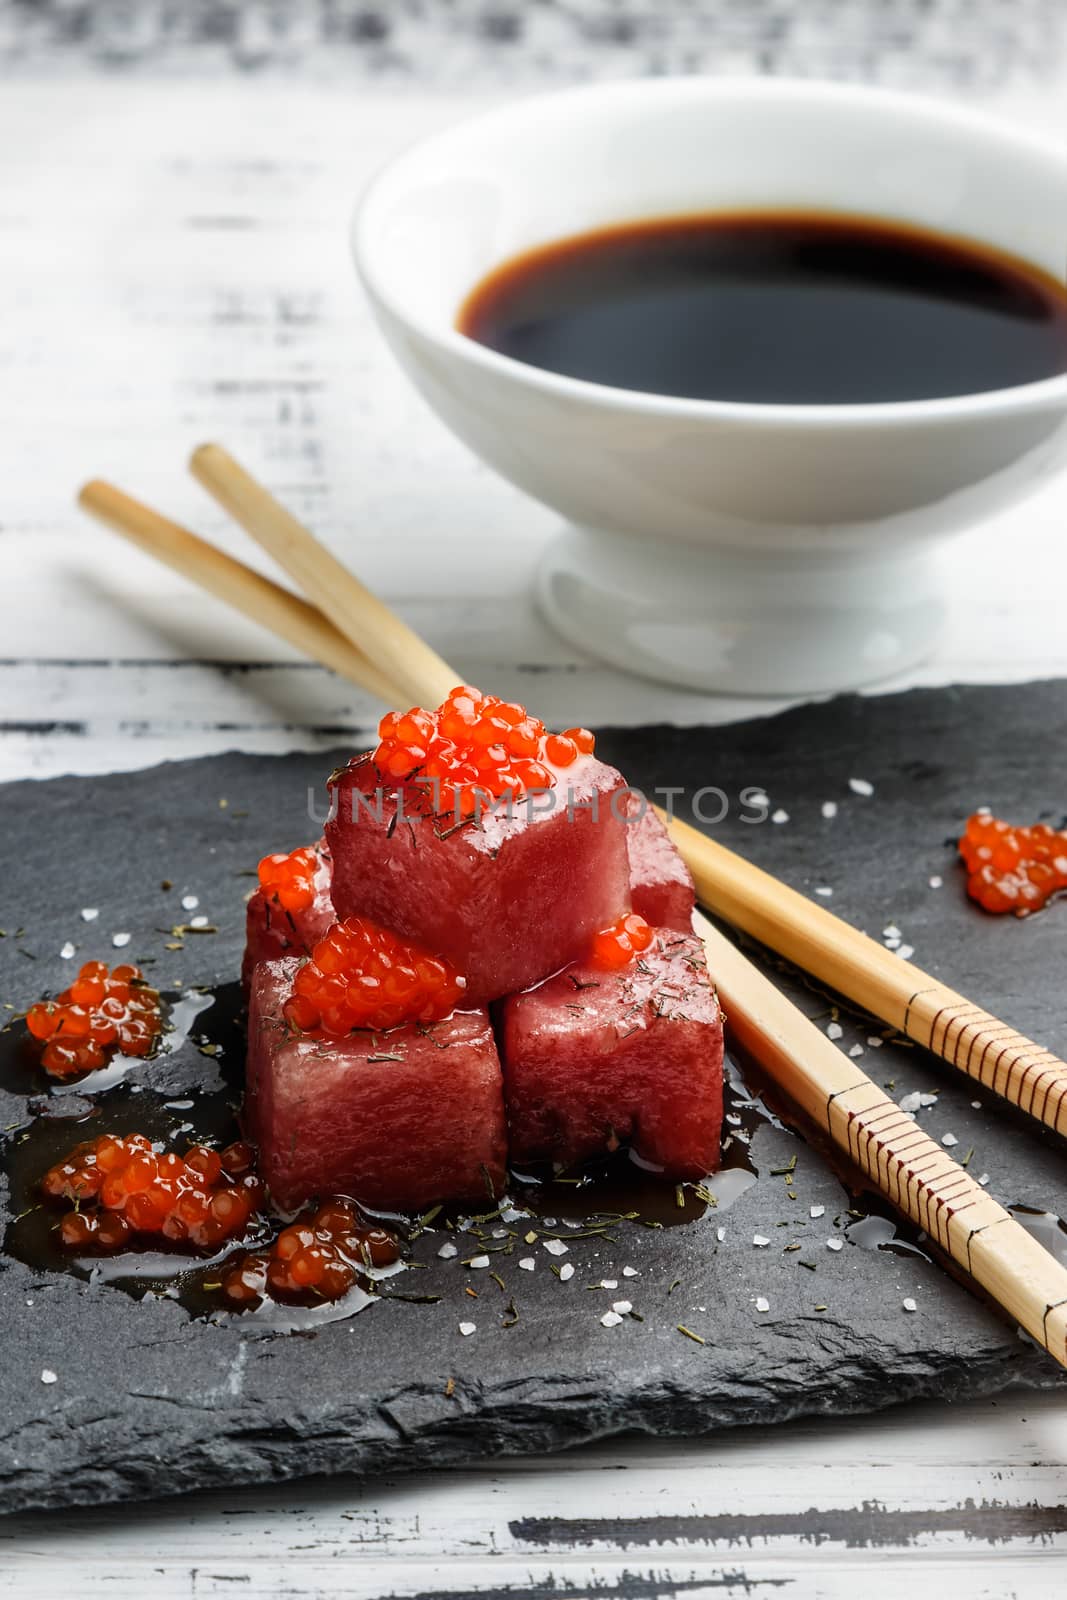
pixel 553 1056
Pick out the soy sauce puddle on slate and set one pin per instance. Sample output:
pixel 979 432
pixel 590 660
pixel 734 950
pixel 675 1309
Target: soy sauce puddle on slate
pixel 613 1193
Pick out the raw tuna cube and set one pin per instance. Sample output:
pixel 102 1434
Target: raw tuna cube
pixel 595 1058
pixel 398 1120
pixel 272 932
pixel 661 885
pixel 507 900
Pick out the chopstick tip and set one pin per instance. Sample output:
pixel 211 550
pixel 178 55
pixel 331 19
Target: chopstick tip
pixel 92 492
pixel 205 454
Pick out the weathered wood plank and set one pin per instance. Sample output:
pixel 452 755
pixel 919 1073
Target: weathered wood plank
pixel 937 43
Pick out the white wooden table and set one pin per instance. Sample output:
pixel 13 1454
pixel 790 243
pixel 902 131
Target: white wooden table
pixel 173 267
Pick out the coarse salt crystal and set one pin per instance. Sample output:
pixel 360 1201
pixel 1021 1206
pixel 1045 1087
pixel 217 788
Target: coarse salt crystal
pixel 467 1328
pixel 67 951
pixel 189 902
pixel 90 913
pixel 198 922
pixel 835 1244
pixel 629 1272
pixel 447 1251
pixel 857 1050
pixel 834 1030
pixel 906 951
pixel 891 931
pixel 949 1139
pixel 720 1234
pixel 976 1105
pixel 829 809
pixel 861 786
pixel 609 1283
pixel 47 1375
pixel 824 890
pixel 936 881
pixel 478 1261
pixel 780 816
pixel 556 1247
pixel 911 1102
pixel 527 1263
pixel 816 1211
pixel 610 1319
pixel 984 1179
pixel 759 1240
pixel 928 1099
pixel 874 1041
pixel 566 1272
pixel 623 1307
pixel 762 1304
pixel 909 1304
pixel 120 940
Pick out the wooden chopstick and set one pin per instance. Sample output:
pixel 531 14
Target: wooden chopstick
pixel 902 1162
pixel 920 1006
pixel 916 1175
pixel 400 654
pixel 292 618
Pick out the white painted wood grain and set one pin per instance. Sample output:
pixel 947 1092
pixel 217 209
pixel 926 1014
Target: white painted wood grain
pixel 173 267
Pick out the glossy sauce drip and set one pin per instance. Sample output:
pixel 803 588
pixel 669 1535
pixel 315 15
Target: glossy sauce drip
pixel 790 308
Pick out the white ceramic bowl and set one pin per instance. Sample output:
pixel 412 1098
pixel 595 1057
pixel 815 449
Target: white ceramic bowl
pixel 751 548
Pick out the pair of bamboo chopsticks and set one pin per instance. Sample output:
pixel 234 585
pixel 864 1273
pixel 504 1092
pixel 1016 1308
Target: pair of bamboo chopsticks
pixel 347 628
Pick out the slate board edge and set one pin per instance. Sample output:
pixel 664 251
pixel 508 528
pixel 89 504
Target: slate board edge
pixel 496 1427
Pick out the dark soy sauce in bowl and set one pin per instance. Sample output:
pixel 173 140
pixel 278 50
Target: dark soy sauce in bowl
pixel 790 308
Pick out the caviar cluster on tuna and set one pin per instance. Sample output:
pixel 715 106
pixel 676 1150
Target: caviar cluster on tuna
pixel 1013 869
pixel 124 1191
pixel 290 879
pixel 101 1014
pixel 363 976
pixel 472 746
pixel 318 1257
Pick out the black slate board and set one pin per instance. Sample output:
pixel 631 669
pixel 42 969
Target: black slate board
pixel 148 1400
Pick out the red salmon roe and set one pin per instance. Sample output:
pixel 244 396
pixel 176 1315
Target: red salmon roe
pixel 473 746
pixel 123 1187
pixel 363 976
pixel 100 1014
pixel 1013 869
pixel 318 1257
pixel 618 945
pixel 290 879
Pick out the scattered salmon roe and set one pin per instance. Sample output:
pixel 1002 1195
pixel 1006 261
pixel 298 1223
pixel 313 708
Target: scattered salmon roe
pixel 363 976
pixel 1013 869
pixel 100 1014
pixel 123 1187
pixel 318 1257
pixel 472 746
pixel 618 945
pixel 290 879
